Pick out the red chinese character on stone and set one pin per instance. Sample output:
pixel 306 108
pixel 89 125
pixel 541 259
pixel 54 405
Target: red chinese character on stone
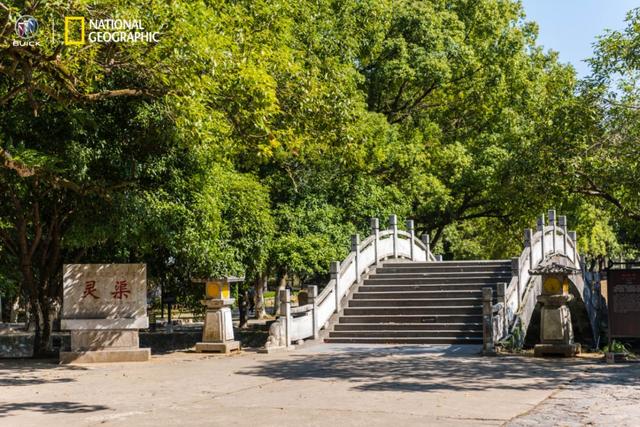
pixel 121 290
pixel 90 289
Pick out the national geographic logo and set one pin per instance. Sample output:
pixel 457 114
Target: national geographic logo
pixel 74 30
pixel 77 32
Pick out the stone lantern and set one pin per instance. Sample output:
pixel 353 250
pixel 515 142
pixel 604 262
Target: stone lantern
pixel 217 335
pixel 556 332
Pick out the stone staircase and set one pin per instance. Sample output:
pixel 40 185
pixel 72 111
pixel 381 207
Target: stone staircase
pixel 420 303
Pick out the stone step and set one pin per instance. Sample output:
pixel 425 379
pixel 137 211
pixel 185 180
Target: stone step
pixel 384 311
pixel 401 280
pixel 381 333
pixel 474 293
pixel 405 340
pixel 504 262
pixel 506 277
pixel 415 302
pixel 411 318
pixel 426 287
pixel 442 269
pixel 390 326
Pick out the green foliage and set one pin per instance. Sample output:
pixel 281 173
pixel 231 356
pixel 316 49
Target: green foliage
pixel 256 136
pixel 618 347
pixel 515 341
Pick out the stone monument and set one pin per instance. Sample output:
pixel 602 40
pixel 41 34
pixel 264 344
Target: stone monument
pixel 556 332
pixel 104 306
pixel 217 335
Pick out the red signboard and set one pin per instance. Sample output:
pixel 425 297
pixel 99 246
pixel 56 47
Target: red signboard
pixel 623 295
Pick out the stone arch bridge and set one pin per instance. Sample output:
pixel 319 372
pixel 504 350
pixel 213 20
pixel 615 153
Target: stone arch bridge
pixel 392 289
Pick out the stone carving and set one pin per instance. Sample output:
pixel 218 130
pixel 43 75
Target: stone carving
pixel 276 335
pixel 104 306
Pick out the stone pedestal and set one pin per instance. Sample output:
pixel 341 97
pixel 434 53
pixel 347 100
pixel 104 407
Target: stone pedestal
pixel 104 307
pixel 91 345
pixel 556 332
pixel 217 335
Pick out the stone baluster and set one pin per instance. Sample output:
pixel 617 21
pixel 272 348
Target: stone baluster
pixel 285 304
pixel 427 244
pixel 375 230
pixel 501 291
pixel 355 247
pixel 334 272
pixel 574 239
pixel 540 228
pixel 562 223
pixel 412 238
pixel 393 223
pixel 552 223
pixel 515 272
pixel 312 296
pixel 528 236
pixel 487 321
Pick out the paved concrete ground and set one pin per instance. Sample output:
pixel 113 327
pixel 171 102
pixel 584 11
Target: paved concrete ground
pixel 323 385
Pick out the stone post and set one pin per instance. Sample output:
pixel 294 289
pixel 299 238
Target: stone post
pixel 552 222
pixel 439 257
pixel 312 296
pixel 427 244
pixel 540 227
pixel 355 247
pixel 285 305
pixel 501 291
pixel 574 239
pixel 412 238
pixel 556 332
pixel 515 272
pixel 562 223
pixel 375 230
pixel 487 321
pixel 393 223
pixel 217 334
pixel 528 236
pixel 334 272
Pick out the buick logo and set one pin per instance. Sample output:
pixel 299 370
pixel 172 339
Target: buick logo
pixel 26 26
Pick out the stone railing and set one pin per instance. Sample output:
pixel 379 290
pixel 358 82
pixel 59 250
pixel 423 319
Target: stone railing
pixel 299 323
pixel 517 300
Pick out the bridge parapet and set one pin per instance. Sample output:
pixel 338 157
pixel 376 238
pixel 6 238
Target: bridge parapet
pixel 550 242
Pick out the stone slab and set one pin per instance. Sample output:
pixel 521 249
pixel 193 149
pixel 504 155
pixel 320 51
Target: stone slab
pixel 218 347
pixel 567 350
pixel 91 324
pixel 278 349
pixel 93 291
pixel 104 339
pixel 217 303
pixel 106 356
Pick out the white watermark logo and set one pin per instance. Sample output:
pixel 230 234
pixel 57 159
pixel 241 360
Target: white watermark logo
pixel 76 32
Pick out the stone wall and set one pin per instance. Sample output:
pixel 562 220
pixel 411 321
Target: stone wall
pixel 20 345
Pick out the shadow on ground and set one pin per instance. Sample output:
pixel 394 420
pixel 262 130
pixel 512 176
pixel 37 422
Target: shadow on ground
pixel 25 372
pixel 49 407
pixel 411 370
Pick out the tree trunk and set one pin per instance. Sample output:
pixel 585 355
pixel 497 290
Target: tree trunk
pixel 259 286
pixel 282 284
pixel 243 298
pixel 13 314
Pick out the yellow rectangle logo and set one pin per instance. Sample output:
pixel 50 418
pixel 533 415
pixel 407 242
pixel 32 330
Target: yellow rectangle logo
pixel 74 30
